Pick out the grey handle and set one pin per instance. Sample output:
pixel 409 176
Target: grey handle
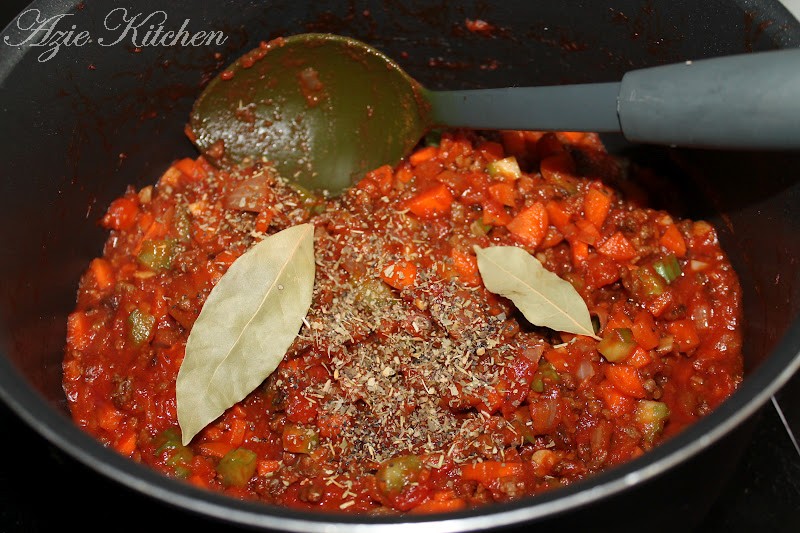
pixel 742 101
pixel 588 107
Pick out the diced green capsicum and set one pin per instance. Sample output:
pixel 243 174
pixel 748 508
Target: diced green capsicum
pixel 140 326
pixel 507 168
pixel 651 417
pixel 522 424
pixel 668 268
pixel 299 439
pixel 158 254
pixel 479 229
pixel 617 344
pixel 373 293
pixel 178 456
pixel 237 467
pixel 546 371
pixel 397 473
pixel 651 284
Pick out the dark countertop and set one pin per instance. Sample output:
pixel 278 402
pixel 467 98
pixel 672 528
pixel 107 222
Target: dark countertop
pixel 42 489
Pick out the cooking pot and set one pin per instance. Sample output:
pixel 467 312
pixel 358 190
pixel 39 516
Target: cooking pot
pixel 85 115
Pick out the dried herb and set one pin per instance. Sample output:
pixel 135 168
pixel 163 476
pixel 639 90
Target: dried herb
pixel 540 295
pixel 249 320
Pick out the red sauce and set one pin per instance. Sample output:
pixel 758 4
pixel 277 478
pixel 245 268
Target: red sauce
pixel 411 388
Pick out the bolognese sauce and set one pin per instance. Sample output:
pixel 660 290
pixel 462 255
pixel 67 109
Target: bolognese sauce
pixel 411 387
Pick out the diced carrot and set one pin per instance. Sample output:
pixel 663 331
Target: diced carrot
pixel 557 215
pixel 514 142
pixel 558 358
pixel 488 472
pixel 216 449
pixel 572 137
pixel 601 271
pixel 530 225
pixel 108 417
pixel 557 168
pixel 503 193
pixel 639 358
pixel 225 258
pixel 494 214
pixel 490 400
pixel 431 202
pixel 626 380
pixel 587 232
pixel 428 170
pixel 615 401
pixel 213 433
pixel 126 443
pixel 532 136
pixel 684 333
pixel 383 177
pixel 580 253
pixel 466 265
pixel 673 241
pixel 238 411
pixel 156 231
pixel 145 220
pixel 596 205
pixel 78 334
pixel 423 154
pixel 263 220
pixel 451 149
pixel 102 272
pixel 160 305
pixel 617 319
pixel 552 238
pixel 491 150
pixel 400 274
pixel 435 505
pixel 644 330
pixel 198 481
pixel 191 169
pixel 121 214
pixel 404 173
pixel 617 247
pixel 267 466
pixel 237 433
pixel 659 304
pixel 456 182
pixel 330 424
pixel 300 408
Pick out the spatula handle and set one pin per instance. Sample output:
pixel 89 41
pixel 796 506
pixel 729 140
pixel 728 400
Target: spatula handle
pixel 742 101
pixel 747 101
pixel 587 107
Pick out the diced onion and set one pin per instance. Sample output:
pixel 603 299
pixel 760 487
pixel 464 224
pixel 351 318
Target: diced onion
pixel 585 370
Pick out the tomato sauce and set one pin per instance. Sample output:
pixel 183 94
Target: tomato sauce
pixel 410 387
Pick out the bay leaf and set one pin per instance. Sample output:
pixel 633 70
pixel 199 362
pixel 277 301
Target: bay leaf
pixel 245 327
pixel 541 296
